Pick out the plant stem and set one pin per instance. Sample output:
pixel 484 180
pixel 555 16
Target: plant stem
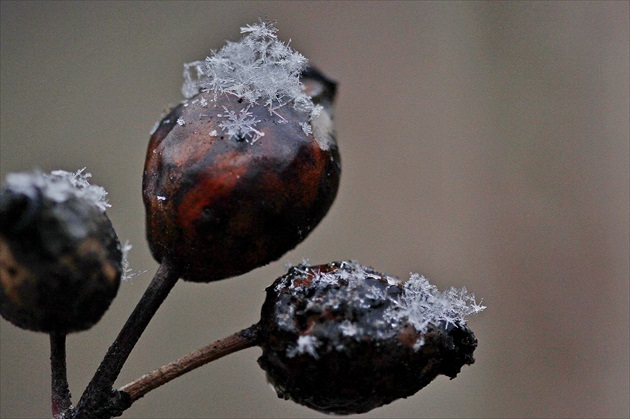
pixel 244 339
pixel 100 400
pixel 60 393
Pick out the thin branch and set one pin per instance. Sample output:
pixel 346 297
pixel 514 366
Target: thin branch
pixel 244 339
pixel 60 392
pixel 99 399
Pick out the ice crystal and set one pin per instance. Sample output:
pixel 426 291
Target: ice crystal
pixel 59 186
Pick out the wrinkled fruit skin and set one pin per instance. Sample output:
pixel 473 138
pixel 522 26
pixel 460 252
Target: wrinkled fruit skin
pixel 352 374
pixel 218 207
pixel 60 263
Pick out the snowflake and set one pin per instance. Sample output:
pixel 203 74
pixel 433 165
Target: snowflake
pixel 240 125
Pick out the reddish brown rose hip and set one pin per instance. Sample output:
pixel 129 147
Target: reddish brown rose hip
pixel 218 205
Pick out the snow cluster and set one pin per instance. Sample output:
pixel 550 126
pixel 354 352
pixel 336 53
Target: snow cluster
pixel 59 186
pixel 387 303
pixel 260 69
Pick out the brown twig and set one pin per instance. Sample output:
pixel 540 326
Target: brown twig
pixel 100 400
pixel 60 393
pixel 244 339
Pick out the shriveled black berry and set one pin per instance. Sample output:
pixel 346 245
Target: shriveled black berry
pixel 342 338
pixel 60 258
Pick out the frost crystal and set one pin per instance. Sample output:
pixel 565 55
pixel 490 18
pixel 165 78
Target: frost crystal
pixel 58 186
pixel 260 69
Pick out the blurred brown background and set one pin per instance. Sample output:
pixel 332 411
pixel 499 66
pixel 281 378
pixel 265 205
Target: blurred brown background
pixel 483 144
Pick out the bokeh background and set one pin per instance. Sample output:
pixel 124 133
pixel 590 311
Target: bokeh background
pixel 484 145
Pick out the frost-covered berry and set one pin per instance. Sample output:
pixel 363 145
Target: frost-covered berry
pixel 247 166
pixel 342 338
pixel 60 258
